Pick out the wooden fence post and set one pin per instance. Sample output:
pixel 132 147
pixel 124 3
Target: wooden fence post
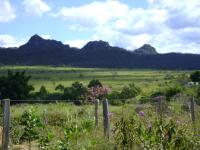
pixel 106 121
pixel 97 113
pixel 192 109
pixel 6 124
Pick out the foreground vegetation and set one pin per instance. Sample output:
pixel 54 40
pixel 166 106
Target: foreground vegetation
pixel 64 126
pixel 148 109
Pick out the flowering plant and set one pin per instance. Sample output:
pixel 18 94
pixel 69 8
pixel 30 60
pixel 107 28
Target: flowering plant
pixel 97 92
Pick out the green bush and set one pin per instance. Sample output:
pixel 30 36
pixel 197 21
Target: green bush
pixel 114 95
pixel 172 91
pixel 116 102
pixel 168 92
pixel 76 92
pixel 94 83
pixel 141 133
pixel 129 91
pixel 45 140
pixel 15 86
pixel 31 122
pixel 195 76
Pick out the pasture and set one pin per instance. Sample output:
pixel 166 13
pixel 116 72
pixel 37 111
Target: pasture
pixel 50 77
pixel 134 124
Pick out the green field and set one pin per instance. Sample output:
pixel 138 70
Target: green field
pixel 64 126
pixel 50 77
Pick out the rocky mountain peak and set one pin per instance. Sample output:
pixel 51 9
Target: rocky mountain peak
pixel 146 49
pixel 93 45
pixel 36 43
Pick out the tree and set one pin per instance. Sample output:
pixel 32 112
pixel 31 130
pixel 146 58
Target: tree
pixel 60 87
pixel 130 91
pixel 15 86
pixel 195 76
pixel 94 83
pixel 43 93
pixel 75 92
pixel 69 94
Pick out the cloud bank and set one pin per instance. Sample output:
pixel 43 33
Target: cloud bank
pixel 7 12
pixel 35 7
pixel 166 24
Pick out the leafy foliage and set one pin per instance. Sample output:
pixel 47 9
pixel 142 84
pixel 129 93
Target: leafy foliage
pixel 15 85
pixel 94 83
pixel 172 91
pixel 60 87
pixel 31 121
pixel 44 141
pixel 43 93
pixel 130 91
pixel 145 134
pixel 75 92
pixel 195 76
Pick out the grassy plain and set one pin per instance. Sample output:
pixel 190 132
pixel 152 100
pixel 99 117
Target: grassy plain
pixel 50 76
pixel 59 118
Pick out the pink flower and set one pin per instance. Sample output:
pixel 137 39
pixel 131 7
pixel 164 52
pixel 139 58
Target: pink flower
pixel 141 113
pixel 95 92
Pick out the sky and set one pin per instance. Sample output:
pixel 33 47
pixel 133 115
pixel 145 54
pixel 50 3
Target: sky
pixel 168 25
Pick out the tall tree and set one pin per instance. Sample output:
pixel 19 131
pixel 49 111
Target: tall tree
pixel 195 76
pixel 15 85
pixel 94 83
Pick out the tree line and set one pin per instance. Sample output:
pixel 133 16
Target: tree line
pixel 16 86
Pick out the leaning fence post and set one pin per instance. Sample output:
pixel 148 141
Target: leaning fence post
pixel 106 122
pixel 96 113
pixel 192 109
pixel 6 124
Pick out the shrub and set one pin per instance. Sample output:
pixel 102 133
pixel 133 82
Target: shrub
pixel 31 122
pixel 60 87
pixel 43 93
pixel 114 95
pixel 139 133
pixel 44 140
pixel 116 102
pixel 98 92
pixel 172 91
pixel 195 76
pixel 130 91
pixel 94 83
pixel 76 92
pixel 168 92
pixel 15 86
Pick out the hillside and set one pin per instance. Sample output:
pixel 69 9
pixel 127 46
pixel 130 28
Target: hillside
pixel 39 51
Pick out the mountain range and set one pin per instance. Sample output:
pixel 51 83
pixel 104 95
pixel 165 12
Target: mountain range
pixel 98 54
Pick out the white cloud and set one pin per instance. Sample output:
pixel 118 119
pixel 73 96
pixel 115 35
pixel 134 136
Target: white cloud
pixel 169 25
pixel 76 43
pixel 11 41
pixel 7 12
pixel 94 14
pixel 35 7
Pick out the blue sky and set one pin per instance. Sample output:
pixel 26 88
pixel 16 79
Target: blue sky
pixel 168 25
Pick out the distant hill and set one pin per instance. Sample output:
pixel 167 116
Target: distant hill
pixel 39 51
pixel 146 49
